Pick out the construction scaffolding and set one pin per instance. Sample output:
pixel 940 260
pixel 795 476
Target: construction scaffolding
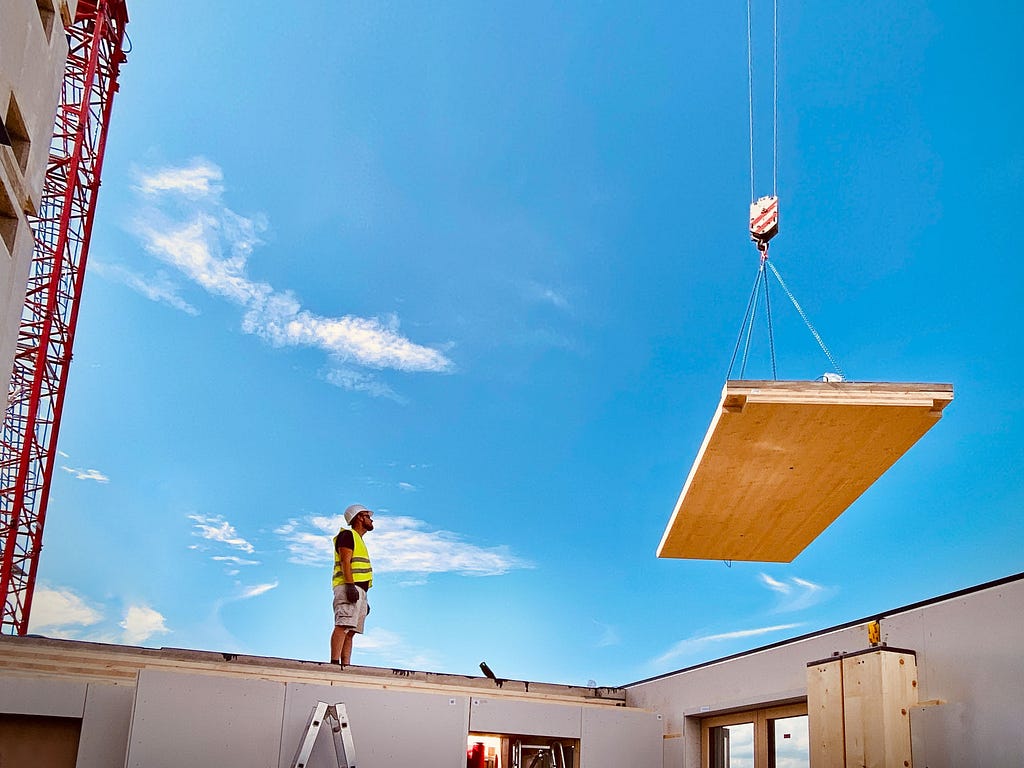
pixel 62 230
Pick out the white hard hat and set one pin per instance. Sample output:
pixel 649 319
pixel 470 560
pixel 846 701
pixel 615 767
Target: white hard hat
pixel 352 511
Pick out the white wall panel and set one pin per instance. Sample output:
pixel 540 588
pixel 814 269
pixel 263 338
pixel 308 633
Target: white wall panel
pixel 535 719
pixel 938 736
pixel 105 726
pixel 390 728
pixel 52 698
pixel 205 720
pixel 616 737
pixel 969 655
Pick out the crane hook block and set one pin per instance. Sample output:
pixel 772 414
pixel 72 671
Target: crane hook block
pixel 764 220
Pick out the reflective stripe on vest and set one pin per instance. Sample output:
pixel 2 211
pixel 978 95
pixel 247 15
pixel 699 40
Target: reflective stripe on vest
pixel 362 571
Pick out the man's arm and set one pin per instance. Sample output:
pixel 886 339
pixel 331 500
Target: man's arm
pixel 345 555
pixel 346 564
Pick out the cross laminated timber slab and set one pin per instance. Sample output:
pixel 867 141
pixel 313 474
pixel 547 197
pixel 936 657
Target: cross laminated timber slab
pixel 783 459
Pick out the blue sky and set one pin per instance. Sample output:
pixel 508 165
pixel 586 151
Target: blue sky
pixel 480 267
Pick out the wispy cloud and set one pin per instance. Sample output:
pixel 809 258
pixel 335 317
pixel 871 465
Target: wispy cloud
pixel 200 179
pixel 159 288
pixel 392 649
pixel 216 528
pixel 796 594
pixel 359 381
pixel 87 474
pixel 188 226
pixel 61 608
pixel 692 645
pixel 256 590
pixel 547 295
pixel 233 559
pixel 607 635
pixel 399 544
pixel 142 622
pixel 407 487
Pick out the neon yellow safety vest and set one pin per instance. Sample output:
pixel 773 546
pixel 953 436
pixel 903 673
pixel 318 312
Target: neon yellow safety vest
pixel 362 571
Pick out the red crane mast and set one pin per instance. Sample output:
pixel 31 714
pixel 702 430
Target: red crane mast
pixel 62 229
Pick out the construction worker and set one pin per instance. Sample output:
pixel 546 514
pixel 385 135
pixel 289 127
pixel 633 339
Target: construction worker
pixel 353 576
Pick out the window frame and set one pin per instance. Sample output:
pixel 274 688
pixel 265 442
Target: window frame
pixel 760 717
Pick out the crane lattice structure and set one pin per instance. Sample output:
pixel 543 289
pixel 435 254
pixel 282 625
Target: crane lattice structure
pixel 62 230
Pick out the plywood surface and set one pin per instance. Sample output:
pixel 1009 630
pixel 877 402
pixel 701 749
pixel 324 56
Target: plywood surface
pixel 783 459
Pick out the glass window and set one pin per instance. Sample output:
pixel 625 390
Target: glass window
pixel 789 747
pixel 732 746
pixel 770 737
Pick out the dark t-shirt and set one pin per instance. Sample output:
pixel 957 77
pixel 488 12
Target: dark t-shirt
pixel 344 540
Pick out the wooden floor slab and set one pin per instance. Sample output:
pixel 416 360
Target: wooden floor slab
pixel 783 459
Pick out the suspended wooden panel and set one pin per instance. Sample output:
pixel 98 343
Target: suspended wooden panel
pixel 783 459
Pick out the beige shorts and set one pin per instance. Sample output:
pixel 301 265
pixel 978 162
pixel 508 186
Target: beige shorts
pixel 349 615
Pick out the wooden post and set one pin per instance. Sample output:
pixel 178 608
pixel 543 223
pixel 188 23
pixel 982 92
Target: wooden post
pixel 859 709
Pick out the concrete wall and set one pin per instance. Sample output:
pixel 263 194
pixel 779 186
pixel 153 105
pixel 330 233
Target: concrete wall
pixel 970 656
pixel 31 72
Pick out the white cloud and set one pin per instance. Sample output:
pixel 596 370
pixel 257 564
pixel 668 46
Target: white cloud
pixel 694 644
pixel 201 179
pixel 358 381
pixel 87 474
pixel 391 649
pixel 233 559
pixel 776 586
pixel 142 622
pixel 608 635
pixel 407 487
pixel 399 545
pixel 796 594
pixel 194 248
pixel 158 288
pixel 216 528
pixel 547 295
pixel 210 244
pixel 61 608
pixel 256 590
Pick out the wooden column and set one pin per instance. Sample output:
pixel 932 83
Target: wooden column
pixel 859 709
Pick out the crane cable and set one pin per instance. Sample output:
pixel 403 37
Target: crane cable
pixel 775 96
pixel 762 278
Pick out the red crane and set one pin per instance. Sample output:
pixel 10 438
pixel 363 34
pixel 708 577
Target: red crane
pixel 62 228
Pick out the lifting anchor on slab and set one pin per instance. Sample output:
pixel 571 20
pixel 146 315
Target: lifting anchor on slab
pixel 344 746
pixel 764 222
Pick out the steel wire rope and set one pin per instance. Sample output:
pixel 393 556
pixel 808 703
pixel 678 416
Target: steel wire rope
pixel 750 328
pixel 750 99
pixel 803 315
pixel 771 332
pixel 775 99
pixel 746 315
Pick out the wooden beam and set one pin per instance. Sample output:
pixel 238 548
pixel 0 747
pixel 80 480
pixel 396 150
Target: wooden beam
pixel 783 459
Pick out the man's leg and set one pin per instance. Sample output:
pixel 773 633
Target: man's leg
pixel 346 650
pixel 338 643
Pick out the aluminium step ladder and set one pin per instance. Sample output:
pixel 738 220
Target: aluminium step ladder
pixel 341 731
